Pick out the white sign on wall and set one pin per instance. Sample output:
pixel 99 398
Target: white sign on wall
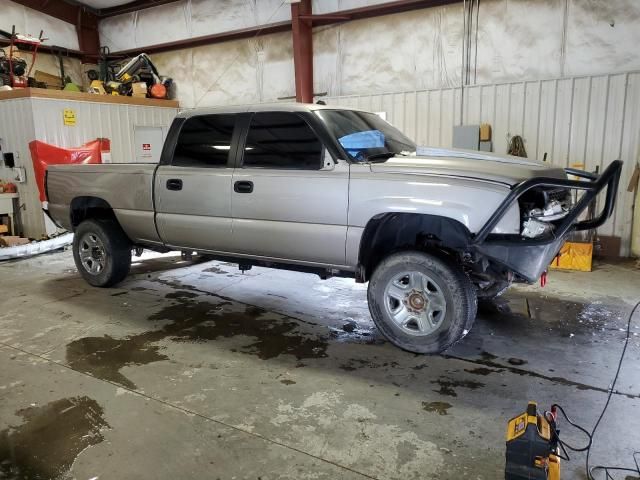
pixel 148 144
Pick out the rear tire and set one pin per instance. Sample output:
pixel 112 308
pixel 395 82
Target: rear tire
pixel 102 252
pixel 420 302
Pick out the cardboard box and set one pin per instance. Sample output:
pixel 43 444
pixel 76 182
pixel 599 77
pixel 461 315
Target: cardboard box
pixel 608 246
pixel 51 81
pixel 485 132
pixel 139 89
pixel 12 241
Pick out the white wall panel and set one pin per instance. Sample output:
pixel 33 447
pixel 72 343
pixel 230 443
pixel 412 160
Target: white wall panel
pixel 30 22
pixel 328 6
pixel 501 127
pixel 187 19
pixel 602 36
pixel 547 114
pixel 531 124
pixel 95 120
pixel 517 40
pixel 590 120
pixel 238 72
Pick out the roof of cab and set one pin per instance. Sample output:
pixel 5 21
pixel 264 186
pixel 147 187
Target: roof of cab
pixel 263 107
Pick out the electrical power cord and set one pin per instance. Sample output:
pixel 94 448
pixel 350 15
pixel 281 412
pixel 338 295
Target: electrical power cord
pixel 590 435
pixel 564 445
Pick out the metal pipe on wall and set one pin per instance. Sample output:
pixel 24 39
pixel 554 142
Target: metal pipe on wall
pixel 468 9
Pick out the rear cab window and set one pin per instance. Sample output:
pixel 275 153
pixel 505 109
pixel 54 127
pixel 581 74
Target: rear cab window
pixel 205 141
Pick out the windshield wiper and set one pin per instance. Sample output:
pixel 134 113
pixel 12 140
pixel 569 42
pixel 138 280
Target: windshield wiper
pixel 380 156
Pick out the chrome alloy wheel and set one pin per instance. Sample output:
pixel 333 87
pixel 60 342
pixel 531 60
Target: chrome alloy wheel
pixel 92 253
pixel 415 303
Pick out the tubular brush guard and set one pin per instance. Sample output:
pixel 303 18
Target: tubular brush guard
pixel 530 257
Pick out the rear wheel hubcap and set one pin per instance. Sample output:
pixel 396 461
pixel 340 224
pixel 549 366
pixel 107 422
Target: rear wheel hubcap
pixel 92 253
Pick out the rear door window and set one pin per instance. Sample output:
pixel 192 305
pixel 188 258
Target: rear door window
pixel 205 141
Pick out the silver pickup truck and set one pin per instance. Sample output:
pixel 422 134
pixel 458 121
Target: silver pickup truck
pixel 333 191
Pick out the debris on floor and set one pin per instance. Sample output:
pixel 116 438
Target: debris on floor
pixel 22 247
pixel 12 241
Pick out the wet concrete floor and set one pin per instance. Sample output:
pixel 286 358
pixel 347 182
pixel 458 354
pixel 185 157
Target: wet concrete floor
pixel 193 369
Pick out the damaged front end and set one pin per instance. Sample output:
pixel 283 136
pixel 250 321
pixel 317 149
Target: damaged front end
pixel 541 208
pixel 548 216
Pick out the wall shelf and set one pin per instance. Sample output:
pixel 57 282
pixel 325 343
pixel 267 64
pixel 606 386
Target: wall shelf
pixel 85 97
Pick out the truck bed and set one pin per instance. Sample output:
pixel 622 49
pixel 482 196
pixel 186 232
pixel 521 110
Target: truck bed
pixel 126 187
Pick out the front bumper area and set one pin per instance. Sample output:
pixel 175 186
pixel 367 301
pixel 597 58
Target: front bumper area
pixel 530 257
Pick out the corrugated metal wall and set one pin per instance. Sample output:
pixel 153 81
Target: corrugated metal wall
pixel 94 120
pixel 27 119
pixel 589 119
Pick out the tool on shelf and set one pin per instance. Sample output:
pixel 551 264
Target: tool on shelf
pixel 13 68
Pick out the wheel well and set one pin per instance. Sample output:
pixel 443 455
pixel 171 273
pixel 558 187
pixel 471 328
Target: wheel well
pixel 392 232
pixel 83 208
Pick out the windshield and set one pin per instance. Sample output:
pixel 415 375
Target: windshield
pixel 366 136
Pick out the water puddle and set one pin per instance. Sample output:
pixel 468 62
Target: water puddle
pixel 51 437
pixel 103 357
pixel 441 408
pixel 447 385
pixel 563 316
pixel 194 320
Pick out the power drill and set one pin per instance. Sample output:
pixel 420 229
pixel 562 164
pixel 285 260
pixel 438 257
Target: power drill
pixel 532 446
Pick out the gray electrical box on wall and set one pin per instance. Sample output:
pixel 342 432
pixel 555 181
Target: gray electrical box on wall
pixel 467 137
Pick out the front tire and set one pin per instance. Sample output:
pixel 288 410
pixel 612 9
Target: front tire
pixel 102 252
pixel 420 302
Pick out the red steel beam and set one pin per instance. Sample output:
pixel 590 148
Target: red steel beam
pixel 372 11
pixel 302 50
pixel 325 19
pixel 50 49
pixel 207 39
pixel 88 36
pixel 389 8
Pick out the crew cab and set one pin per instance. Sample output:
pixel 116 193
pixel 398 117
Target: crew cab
pixel 333 191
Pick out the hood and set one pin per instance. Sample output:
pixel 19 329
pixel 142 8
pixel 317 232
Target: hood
pixel 469 164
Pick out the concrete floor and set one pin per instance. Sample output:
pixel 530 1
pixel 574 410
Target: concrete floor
pixel 195 370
